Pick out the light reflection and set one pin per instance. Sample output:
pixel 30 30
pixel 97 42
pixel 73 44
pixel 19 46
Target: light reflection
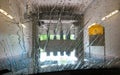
pixel 61 60
pixel 6 14
pixel 109 15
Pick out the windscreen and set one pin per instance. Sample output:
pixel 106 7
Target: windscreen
pixel 39 36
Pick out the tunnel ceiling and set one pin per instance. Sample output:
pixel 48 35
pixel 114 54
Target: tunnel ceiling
pixel 55 7
pixel 76 6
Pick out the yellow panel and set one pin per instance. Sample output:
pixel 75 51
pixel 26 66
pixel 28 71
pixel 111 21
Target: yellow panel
pixel 96 30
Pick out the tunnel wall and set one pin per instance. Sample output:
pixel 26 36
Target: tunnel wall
pixel 15 40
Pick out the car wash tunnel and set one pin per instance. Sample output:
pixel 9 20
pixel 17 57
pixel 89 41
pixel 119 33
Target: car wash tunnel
pixel 38 36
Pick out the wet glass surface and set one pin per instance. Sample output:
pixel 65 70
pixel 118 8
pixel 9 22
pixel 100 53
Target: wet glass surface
pixel 38 36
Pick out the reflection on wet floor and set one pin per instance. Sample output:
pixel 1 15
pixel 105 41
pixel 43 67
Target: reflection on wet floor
pixel 20 65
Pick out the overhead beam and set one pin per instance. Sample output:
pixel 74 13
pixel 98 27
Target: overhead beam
pixel 55 16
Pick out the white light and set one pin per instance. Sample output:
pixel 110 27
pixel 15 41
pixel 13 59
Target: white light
pixel 43 54
pixel 56 21
pixel 86 60
pixel 23 25
pixel 103 19
pixel 6 14
pixel 109 15
pixel 65 59
pixel 3 12
pixel 10 16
